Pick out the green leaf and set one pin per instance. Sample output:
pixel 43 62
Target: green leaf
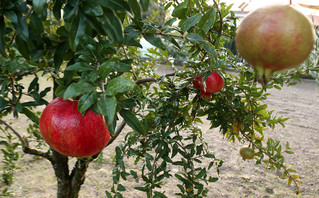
pixel 2 33
pixel 22 27
pixel 29 114
pixel 106 105
pixel 60 91
pixel 105 69
pixel 133 122
pixel 86 101
pixel 57 9
pixel 22 47
pixel 194 37
pixel 172 40
pixel 38 5
pixel 116 5
pixel 11 15
pixel 213 179
pixel 78 88
pixel 157 42
pixel 120 187
pixel 145 4
pixel 207 20
pixel 135 7
pixel 111 25
pixel 190 22
pixel 170 22
pixel 91 7
pixel 3 103
pixel 108 195
pixel 119 85
pixel 80 67
pixel 180 10
pixel 36 25
pixel 209 48
pixel 77 30
pixel 60 53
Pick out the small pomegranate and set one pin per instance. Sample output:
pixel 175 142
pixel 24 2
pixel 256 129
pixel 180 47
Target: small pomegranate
pixel 68 132
pixel 214 83
pixel 274 38
pixel 247 153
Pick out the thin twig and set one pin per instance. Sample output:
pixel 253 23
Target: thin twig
pixel 220 22
pixel 145 80
pixel 280 164
pixel 25 145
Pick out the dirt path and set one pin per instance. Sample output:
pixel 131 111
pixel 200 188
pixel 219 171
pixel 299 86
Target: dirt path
pixel 238 178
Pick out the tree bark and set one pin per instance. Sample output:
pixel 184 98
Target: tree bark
pixel 69 184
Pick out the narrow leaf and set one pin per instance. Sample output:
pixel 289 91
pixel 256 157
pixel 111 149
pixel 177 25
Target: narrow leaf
pixel 112 25
pixel 77 30
pixel 106 105
pixel 154 41
pixel 190 22
pixel 80 67
pixel 79 88
pixel 86 101
pixel 119 85
pixel 145 4
pixel 116 5
pixel 132 121
pixel 2 33
pixel 59 54
pixel 38 5
pixel 91 7
pixel 135 7
pixel 194 37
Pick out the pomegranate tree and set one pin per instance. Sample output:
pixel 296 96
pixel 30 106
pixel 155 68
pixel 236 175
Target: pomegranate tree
pixel 64 128
pixel 274 38
pixel 213 83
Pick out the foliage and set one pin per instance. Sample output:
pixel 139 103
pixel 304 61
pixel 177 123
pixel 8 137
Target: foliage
pixel 89 50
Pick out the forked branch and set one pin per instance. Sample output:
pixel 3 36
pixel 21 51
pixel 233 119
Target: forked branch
pixel 25 145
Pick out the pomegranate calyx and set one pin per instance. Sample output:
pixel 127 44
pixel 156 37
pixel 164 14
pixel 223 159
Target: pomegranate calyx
pixel 262 74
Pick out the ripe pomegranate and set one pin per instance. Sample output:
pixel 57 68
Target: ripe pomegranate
pixel 274 38
pixel 247 153
pixel 64 128
pixel 214 83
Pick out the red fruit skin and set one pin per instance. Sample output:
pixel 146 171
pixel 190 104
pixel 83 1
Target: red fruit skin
pixel 214 83
pixel 65 130
pixel 274 38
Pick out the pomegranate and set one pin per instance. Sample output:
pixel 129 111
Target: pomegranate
pixel 68 132
pixel 213 83
pixel 247 153
pixel 274 38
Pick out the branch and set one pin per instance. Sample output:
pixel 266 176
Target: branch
pixel 145 80
pixel 220 21
pixel 117 132
pixel 25 145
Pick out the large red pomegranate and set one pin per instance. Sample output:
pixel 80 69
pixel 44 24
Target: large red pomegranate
pixel 214 83
pixel 65 130
pixel 274 38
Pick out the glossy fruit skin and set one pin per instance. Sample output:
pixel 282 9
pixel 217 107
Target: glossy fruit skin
pixel 247 153
pixel 214 83
pixel 65 130
pixel 274 38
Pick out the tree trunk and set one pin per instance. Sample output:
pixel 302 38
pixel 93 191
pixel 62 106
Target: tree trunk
pixel 69 185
